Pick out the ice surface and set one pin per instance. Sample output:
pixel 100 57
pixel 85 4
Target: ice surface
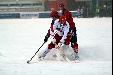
pixel 20 39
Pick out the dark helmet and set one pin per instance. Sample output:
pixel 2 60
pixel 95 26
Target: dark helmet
pixel 61 5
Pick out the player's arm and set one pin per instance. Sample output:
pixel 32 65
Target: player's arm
pixel 50 31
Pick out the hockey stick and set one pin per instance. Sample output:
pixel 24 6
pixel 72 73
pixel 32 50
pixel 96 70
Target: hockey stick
pixel 35 53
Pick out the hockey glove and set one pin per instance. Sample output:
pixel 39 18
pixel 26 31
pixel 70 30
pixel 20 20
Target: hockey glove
pixel 46 38
pixel 53 21
pixel 59 45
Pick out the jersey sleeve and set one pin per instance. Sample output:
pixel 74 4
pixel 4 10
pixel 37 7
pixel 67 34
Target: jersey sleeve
pixel 53 27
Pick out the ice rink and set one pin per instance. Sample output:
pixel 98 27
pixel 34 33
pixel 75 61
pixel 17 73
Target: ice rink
pixel 20 39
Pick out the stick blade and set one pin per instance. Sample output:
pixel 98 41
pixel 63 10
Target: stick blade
pixel 28 61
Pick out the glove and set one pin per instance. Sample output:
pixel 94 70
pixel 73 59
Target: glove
pixel 53 21
pixel 46 38
pixel 58 29
pixel 59 45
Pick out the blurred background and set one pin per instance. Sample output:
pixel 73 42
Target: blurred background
pixel 41 8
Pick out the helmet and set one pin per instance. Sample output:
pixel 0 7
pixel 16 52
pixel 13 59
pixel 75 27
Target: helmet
pixel 62 19
pixel 54 14
pixel 61 5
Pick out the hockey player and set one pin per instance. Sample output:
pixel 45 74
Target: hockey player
pixel 59 30
pixel 69 19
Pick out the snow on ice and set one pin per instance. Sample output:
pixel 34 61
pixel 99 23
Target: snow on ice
pixel 20 39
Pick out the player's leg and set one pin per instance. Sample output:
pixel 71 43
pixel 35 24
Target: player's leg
pixel 74 45
pixel 47 50
pixel 55 41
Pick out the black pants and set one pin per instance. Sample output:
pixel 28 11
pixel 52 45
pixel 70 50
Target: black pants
pixel 74 36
